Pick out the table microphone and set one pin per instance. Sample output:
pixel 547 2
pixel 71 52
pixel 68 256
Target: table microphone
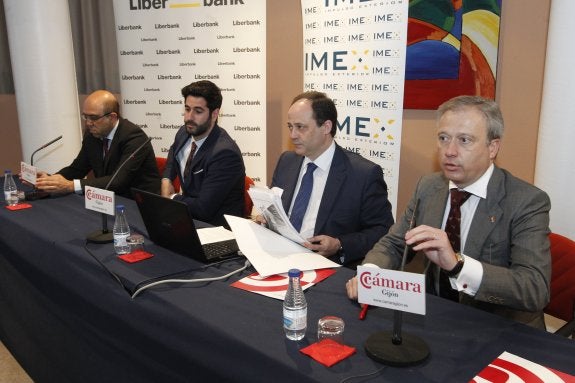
pixel 105 235
pixel 391 347
pixel 38 194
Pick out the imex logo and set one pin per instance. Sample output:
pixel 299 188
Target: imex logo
pixel 144 5
pixel 366 127
pixel 337 61
pixel 335 3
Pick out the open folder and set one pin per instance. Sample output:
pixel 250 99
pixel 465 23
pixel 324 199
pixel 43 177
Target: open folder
pixel 271 253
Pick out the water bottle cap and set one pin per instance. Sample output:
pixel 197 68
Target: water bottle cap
pixel 119 207
pixel 7 171
pixel 294 273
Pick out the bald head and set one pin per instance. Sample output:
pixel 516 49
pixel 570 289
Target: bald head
pixel 101 111
pixel 103 100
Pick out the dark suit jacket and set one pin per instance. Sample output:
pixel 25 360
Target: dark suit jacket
pixel 216 185
pixel 140 172
pixel 508 235
pixel 354 206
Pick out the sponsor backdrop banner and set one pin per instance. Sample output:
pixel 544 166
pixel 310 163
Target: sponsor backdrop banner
pixel 354 51
pixel 164 45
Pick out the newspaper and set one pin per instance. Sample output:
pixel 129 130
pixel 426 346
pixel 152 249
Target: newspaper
pixel 269 204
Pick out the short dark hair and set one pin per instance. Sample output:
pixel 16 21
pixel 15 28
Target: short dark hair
pixel 489 109
pixel 322 106
pixel 206 89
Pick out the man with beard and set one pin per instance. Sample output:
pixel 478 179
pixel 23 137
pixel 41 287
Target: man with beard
pixel 108 141
pixel 207 160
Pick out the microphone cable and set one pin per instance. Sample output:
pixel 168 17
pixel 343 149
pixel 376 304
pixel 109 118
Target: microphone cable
pixel 199 280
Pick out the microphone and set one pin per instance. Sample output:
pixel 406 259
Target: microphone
pixel 104 235
pixel 393 348
pixel 43 147
pixel 35 193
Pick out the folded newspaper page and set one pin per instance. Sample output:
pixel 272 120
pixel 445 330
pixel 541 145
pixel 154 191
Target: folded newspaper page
pixel 269 204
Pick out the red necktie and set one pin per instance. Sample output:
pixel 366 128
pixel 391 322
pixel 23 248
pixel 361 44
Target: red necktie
pixel 190 157
pixel 453 230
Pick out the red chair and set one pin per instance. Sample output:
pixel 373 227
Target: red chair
pixel 161 162
pixel 248 203
pixel 562 302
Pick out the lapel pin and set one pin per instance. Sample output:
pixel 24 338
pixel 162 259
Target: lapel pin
pixel 492 218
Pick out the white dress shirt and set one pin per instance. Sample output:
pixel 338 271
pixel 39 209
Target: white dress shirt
pixel 320 174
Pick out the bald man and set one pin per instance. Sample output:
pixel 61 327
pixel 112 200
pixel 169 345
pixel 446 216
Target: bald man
pixel 108 141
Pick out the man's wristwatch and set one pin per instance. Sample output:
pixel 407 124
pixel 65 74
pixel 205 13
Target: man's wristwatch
pixel 457 268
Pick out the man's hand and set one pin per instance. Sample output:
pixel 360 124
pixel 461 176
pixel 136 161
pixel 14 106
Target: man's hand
pixel 167 188
pixel 351 287
pixel 55 183
pixel 323 244
pixel 260 220
pixel 434 244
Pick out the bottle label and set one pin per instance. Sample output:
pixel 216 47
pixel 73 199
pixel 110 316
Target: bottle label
pixel 295 319
pixel 120 239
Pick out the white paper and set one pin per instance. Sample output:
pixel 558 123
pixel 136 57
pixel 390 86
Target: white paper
pixel 269 203
pixel 28 172
pixel 392 289
pixel 214 234
pixel 99 200
pixel 270 253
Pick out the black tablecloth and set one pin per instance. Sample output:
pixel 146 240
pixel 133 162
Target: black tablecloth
pixel 66 319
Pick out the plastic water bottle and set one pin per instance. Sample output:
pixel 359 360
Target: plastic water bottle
pixel 10 189
pixel 121 232
pixel 295 308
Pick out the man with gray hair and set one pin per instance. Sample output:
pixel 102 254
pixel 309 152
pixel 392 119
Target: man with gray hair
pixel 482 230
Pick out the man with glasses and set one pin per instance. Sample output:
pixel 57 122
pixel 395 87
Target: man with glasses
pixel 108 141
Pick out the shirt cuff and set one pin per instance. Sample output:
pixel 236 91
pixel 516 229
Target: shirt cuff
pixel 469 279
pixel 77 187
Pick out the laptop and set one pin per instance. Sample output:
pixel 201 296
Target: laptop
pixel 170 225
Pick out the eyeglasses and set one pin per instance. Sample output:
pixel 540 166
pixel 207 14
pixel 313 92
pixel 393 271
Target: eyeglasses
pixel 93 118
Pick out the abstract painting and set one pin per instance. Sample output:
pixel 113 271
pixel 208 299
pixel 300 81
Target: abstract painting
pixel 452 50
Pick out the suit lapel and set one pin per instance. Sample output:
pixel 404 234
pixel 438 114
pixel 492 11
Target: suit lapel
pixel 335 180
pixel 202 152
pixel 292 175
pixel 487 214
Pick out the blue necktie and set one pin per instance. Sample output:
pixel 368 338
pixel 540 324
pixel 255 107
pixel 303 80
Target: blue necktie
pixel 302 198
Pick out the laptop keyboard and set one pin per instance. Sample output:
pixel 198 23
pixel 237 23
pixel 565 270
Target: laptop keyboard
pixel 220 249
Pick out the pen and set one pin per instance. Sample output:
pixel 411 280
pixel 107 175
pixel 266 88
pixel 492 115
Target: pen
pixel 363 311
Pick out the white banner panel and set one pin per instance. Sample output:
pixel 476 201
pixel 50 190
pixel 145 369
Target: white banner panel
pixel 354 51
pixel 165 45
pixel 554 171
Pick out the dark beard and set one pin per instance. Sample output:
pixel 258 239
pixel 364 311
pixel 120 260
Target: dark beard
pixel 198 130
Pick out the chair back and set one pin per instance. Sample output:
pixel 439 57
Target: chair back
pixel 562 303
pixel 161 163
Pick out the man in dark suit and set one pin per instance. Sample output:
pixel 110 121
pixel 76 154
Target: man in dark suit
pixel 348 209
pixel 206 158
pixel 503 263
pixel 108 141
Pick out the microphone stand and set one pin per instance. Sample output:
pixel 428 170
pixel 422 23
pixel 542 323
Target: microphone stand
pixel 391 347
pixel 104 235
pixel 35 193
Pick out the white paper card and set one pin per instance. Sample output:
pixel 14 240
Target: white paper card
pixel 392 289
pixel 99 200
pixel 28 172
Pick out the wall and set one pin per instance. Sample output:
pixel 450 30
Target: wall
pixel 519 86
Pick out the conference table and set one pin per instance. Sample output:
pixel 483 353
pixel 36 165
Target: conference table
pixel 67 315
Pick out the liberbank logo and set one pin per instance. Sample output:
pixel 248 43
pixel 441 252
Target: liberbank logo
pixel 146 5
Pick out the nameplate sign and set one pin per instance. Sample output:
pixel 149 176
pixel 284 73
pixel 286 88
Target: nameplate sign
pixel 99 200
pixel 396 290
pixel 28 173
